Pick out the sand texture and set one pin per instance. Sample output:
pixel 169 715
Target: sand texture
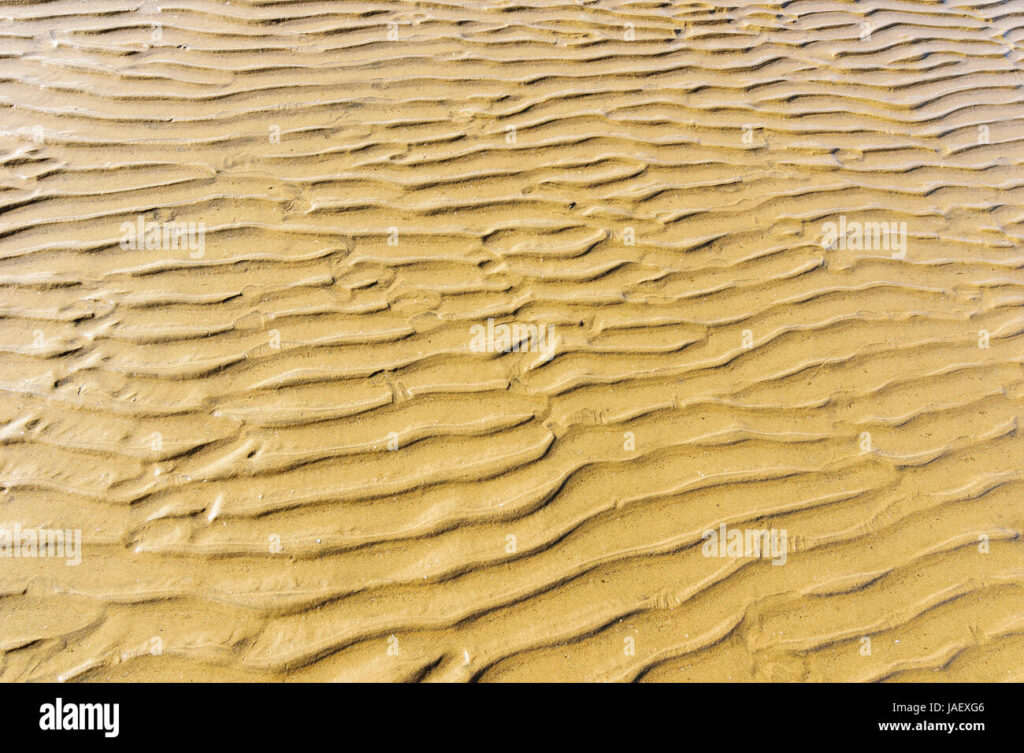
pixel 457 329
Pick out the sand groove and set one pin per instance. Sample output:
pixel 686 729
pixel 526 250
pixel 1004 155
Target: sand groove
pixel 288 459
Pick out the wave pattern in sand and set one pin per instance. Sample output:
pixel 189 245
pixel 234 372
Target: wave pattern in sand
pixel 298 447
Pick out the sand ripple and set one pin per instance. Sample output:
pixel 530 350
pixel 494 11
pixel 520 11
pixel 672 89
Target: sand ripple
pixel 289 461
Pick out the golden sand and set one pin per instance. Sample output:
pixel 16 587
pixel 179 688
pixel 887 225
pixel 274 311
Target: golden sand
pixel 264 265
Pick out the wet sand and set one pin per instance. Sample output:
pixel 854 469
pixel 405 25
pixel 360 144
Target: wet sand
pixel 286 414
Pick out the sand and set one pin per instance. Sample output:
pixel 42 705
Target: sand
pixel 468 340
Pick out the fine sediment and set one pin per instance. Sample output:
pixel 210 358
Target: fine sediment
pixel 290 459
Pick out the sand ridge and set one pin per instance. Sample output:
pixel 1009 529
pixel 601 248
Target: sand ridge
pixel 433 340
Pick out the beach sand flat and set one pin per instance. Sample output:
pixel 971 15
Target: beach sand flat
pixel 467 340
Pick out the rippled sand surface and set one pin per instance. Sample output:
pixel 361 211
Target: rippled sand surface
pixel 297 448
